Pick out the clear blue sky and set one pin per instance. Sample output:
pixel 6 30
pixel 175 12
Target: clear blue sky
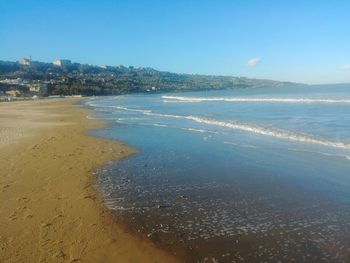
pixel 304 41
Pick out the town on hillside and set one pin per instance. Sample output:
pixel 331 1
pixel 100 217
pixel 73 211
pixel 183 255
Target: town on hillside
pixel 62 77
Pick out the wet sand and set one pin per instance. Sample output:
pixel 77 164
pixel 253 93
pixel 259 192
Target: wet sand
pixel 50 211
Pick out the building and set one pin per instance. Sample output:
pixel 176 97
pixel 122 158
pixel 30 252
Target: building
pixel 17 81
pixel 61 62
pixel 26 61
pixel 13 93
pixel 38 88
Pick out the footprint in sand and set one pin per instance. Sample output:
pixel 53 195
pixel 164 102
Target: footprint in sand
pixel 26 213
pixel 23 199
pixel 13 216
pixel 4 188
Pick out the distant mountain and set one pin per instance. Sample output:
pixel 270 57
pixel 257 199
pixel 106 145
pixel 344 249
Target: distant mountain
pixel 62 77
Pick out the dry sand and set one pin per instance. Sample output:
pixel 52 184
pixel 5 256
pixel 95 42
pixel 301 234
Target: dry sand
pixel 49 210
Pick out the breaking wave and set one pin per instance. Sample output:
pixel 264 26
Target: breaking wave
pixel 233 125
pixel 238 99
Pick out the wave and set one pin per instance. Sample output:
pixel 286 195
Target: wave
pixel 241 145
pixel 347 157
pixel 177 101
pixel 199 130
pixel 159 125
pixel 131 118
pixel 270 132
pixel 239 99
pixel 276 133
pixel 128 109
pixel 321 153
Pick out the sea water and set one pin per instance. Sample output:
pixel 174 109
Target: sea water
pixel 243 175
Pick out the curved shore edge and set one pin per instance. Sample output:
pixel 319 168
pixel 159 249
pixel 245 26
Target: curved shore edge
pixel 50 211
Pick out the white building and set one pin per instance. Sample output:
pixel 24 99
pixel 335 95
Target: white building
pixel 26 61
pixel 13 93
pixel 61 62
pixel 38 88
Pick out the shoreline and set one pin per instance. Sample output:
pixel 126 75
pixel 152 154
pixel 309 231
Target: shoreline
pixel 52 211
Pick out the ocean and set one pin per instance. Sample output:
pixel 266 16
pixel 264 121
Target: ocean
pixel 245 175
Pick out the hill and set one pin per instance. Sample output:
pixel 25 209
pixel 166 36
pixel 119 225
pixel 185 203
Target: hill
pixel 66 78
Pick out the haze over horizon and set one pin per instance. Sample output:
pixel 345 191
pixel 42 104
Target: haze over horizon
pixel 296 41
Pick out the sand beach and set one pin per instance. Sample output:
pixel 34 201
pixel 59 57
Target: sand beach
pixel 49 209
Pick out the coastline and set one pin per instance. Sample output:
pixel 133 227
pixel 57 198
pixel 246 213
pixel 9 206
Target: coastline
pixel 52 213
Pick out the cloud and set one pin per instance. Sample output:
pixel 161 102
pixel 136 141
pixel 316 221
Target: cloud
pixel 346 66
pixel 253 62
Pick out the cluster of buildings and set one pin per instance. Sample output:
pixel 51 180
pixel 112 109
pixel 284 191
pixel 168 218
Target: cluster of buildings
pixel 18 85
pixel 26 61
pixel 17 81
pixel 62 62
pixel 57 62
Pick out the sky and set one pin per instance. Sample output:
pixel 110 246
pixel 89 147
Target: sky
pixel 301 41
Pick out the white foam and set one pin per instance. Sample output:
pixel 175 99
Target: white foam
pixel 199 130
pixel 347 157
pixel 231 143
pixel 132 118
pixel 128 109
pixel 248 146
pixel 159 125
pixel 150 113
pixel 177 101
pixel 240 99
pixel 321 153
pixel 271 132
pixel 241 145
pixel 276 133
pixel 91 104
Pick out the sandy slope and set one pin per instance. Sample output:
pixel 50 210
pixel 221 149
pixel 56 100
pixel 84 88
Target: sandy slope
pixel 49 212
